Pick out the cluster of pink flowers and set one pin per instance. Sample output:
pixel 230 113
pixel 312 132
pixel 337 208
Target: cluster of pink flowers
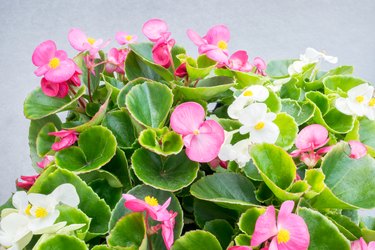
pixel 58 71
pixel 156 212
pixel 310 142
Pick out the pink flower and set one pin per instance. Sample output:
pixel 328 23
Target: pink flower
pixel 116 59
pixel 239 61
pixel 358 150
pixel 46 161
pixel 75 80
pixel 260 66
pixel 181 70
pixel 361 245
pixel 214 44
pixel 202 139
pixel 54 89
pixel 52 63
pixel 156 29
pixel 67 138
pixel 240 248
pixel 81 42
pixel 27 181
pixel 310 138
pixel 289 231
pixel 167 227
pixel 124 38
pixel 217 162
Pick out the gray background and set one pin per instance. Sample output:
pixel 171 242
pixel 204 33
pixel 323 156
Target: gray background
pixel 270 29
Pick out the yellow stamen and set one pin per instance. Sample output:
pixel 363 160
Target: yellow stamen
pixel 360 98
pixel 222 44
pixel 41 212
pixel 54 63
pixel 196 132
pixel 259 125
pixel 128 37
pixel 27 209
pixel 91 40
pixel 283 236
pixel 152 201
pixel 371 103
pixel 248 93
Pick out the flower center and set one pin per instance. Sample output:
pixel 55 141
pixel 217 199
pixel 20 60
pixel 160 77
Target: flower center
pixel 371 103
pixel 41 212
pixel 54 63
pixel 259 125
pixel 128 37
pixel 196 132
pixel 152 201
pixel 222 44
pixel 91 40
pixel 27 209
pixel 283 236
pixel 360 98
pixel 248 93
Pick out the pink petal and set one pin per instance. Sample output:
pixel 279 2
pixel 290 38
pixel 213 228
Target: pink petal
pixel 265 227
pixel 120 38
pixel 181 71
pixel 195 37
pixel 62 133
pixel 371 245
pixel 77 39
pixel 240 248
pixel 217 33
pixel 61 54
pixel 63 90
pixel 62 73
pixel 187 117
pixel 324 150
pixel 161 54
pixel 206 47
pixel 49 88
pixel 358 149
pixel 45 162
pixel 260 63
pixel 218 55
pixel 65 142
pixel 286 208
pixel 41 70
pixel 359 245
pixel 312 137
pixel 238 61
pixel 153 29
pixel 43 53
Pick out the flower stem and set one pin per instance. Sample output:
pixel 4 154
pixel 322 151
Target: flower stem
pixel 89 84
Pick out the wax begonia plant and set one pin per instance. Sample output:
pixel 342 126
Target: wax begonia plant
pixel 141 145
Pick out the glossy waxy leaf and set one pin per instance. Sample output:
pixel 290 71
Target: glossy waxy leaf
pixel 96 147
pixel 197 240
pixel 44 141
pixel 37 105
pixel 149 103
pixel 341 83
pixel 62 242
pixel 278 68
pixel 200 68
pixel 288 130
pixel 301 112
pixel 230 190
pixel 171 173
pixel 74 216
pixel 248 219
pixel 221 229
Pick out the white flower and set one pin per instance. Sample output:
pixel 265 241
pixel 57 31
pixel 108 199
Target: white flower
pixel 311 56
pixel 14 231
pixel 359 101
pixel 255 93
pixel 258 122
pixel 239 152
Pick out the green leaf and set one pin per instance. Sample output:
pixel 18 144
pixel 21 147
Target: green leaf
pixel 229 190
pixel 120 124
pixel 111 195
pixel 37 105
pixel 99 174
pixel 44 141
pixel 245 79
pixel 367 224
pixel 341 83
pixel 96 147
pixel 323 233
pixel 34 129
pixel 301 112
pixel 349 180
pixel 277 169
pixel 273 102
pixel 94 78
pixel 171 174
pixel 141 192
pixel 129 231
pixel 74 216
pixel 62 242
pixel 278 68
pixel 149 103
pixel 222 230
pixel 90 203
pixel 197 240
pixel 320 100
pixel 115 85
pixel 161 141
pixel 288 130
pixel 366 132
pixel 135 67
pixel 315 178
pixel 248 219
pixel 121 98
pixel 346 226
pixel 242 240
pixel 200 68
pixel 206 89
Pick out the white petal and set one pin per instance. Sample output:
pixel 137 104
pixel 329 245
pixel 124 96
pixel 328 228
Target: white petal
pixel 19 200
pixel 370 113
pixel 51 229
pixel 296 67
pixel 23 242
pixel 14 224
pixel 331 59
pixel 40 224
pixel 253 113
pixel 236 107
pixel 67 194
pixel 360 90
pixel 70 228
pixel 40 200
pixel 268 133
pixel 8 211
pixel 356 108
pixel 341 105
pixel 311 56
pixel 260 93
pixel 270 116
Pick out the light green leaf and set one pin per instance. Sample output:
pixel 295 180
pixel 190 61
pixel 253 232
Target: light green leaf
pixel 44 141
pixel 62 242
pixel 288 130
pixel 197 240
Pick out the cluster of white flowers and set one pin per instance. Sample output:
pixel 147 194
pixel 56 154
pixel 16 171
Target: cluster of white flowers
pixel 249 110
pixel 35 214
pixel 360 102
pixel 311 56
